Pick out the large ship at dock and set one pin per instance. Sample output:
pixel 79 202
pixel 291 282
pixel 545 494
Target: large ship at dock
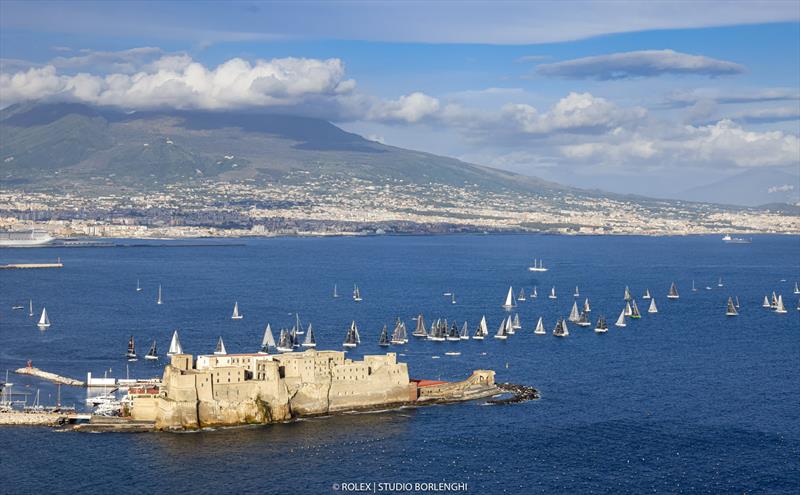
pixel 24 238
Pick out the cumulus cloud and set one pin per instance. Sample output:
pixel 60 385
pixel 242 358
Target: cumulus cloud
pixel 643 63
pixel 126 61
pixel 176 81
pixel 409 108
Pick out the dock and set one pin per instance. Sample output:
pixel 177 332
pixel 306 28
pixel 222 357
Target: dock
pixel 25 266
pixel 30 370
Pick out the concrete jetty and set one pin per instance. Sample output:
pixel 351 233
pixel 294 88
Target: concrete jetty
pixel 30 370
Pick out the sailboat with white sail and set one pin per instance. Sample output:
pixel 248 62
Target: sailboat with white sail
pixel 516 325
pixel 219 350
pixel 538 266
pixel 583 320
pixel 267 341
pixel 521 295
pixel 335 291
pixel 573 314
pixel 561 329
pixel 352 338
pixel 482 330
pixel 621 320
pixel 509 326
pixel 152 354
pixel 310 340
pixel 635 310
pixel 577 292
pixel 453 335
pixel 774 303
pixel 501 332
pixel 44 320
pixel 646 294
pixel 509 302
pixel 30 307
pixel 628 309
pixel 730 310
pixel 452 298
pixel 673 292
pixel 383 341
pixel 356 294
pixel 766 303
pixel 285 343
pixel 138 287
pixel 298 328
pixel 420 330
pixel 539 330
pixel 694 288
pixel 719 284
pixel 131 354
pixel 535 293
pixel 586 307
pixel 236 315
pixel 159 300
pixel 175 345
pixel 653 308
pixel 737 302
pixel 399 335
pixel 552 293
pixel 602 326
pixel 464 331
pixel 796 288
pixel 627 293
pixel 779 308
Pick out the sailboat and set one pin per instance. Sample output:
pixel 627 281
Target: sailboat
pixel 779 308
pixel 635 310
pixel 577 292
pixel 420 330
pixel 521 295
pixel 152 354
pixel 453 335
pixel 509 326
pixel 384 339
pixel 573 315
pixel 539 330
pixel 285 341
pixel 464 332
pixel 694 289
pixel 482 330
pixel 335 291
pixel 796 288
pixel 627 293
pixel 438 330
pixel 766 304
pixel 583 320
pixel 509 302
pixel 552 293
pixel 293 335
pixel 561 329
pixel 351 339
pixel 44 321
pixel 719 284
pixel 516 325
pixel 537 267
pixel 621 320
pixel 646 294
pixel 131 355
pixel 309 341
pixel 628 309
pixel 356 294
pixel 737 302
pixel 138 287
pixel 586 306
pixel 236 315
pixel 535 293
pixel 452 298
pixel 159 301
pixel 220 349
pixel 602 326
pixel 673 292
pixel 399 335
pixel 175 345
pixel 267 341
pixel 30 307
pixel 652 308
pixel 731 309
pixel 501 332
pixel 298 328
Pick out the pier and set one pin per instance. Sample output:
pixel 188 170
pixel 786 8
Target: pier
pixel 30 370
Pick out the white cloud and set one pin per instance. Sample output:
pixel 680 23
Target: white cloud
pixel 643 63
pixel 409 108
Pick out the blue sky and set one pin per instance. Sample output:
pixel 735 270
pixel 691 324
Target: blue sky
pixel 628 96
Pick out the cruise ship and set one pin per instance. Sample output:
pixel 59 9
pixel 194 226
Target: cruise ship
pixel 24 238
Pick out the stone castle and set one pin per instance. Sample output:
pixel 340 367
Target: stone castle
pixel 235 389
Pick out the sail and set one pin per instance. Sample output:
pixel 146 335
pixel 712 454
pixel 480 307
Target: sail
pixel 236 314
pixel 484 328
pixel 673 291
pixel 517 324
pixel 175 345
pixel 509 303
pixel 731 309
pixel 420 330
pixel 765 304
pixel 627 293
pixel 153 352
pixel 621 320
pixel 635 310
pixel 310 341
pixel 464 332
pixel 553 292
pixel 44 320
pixel 220 349
pixel 779 308
pixel 577 292
pixel 521 295
pixel 573 315
pixel 158 301
pixel 539 327
pixel 384 339
pixel 628 309
pixel 268 341
pixel 646 294
pixel 652 308
pixel 586 306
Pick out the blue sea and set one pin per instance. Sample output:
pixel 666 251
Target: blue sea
pixel 683 401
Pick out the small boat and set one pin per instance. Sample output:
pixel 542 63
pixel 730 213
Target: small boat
pixel 561 329
pixel 731 309
pixel 175 345
pixel 335 291
pixel 516 325
pixel 400 334
pixel 621 320
pixel 152 354
pixel 220 349
pixel 646 294
pixel 521 295
pixel 577 292
pixel 708 287
pixel 482 330
pixel 539 330
pixel 44 320
pixel 298 329
pixel 453 335
pixel 159 300
pixel 628 309
pixel 573 314
pixel 310 340
pixel 779 308
pixel 464 335
pixel 509 326
pixel 673 292
pixel 420 330
pixel 652 308
pixel 627 293
pixel 17 307
pixel 501 332
pixel 438 331
pixel 583 320
pixel 138 287
pixel 267 341
pixel 719 284
pixel 602 326
pixel 635 310
pixel 774 303
pixel 796 288
pixel 537 267
pixel 452 353
pixel 586 306
pixel 552 293
pixel 236 315
pixel 452 298
pixel 694 289
pixel 766 303
pixel 737 302
pixel 509 302
pixel 352 338
pixel 30 307
pixel 384 339
pixel 131 354
pixel 293 335
pixel 285 341
pixel 356 294
pixel 535 293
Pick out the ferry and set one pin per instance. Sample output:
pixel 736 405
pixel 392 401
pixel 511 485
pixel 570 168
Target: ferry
pixel 25 238
pixel 735 240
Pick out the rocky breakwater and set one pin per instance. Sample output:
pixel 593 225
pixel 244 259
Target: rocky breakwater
pixel 18 418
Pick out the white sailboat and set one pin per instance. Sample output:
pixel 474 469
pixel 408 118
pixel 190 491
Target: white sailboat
pixel 351 339
pixel 586 307
pixel 627 293
pixel 175 345
pixel 356 294
pixel 552 293
pixel 628 309
pixel 602 326
pixel 766 304
pixel 521 295
pixel 621 320
pixel 267 341
pixel 138 287
pixel 796 288
pixel 501 332
pixel 535 293
pixel 646 294
pixel 577 292
pixel 452 298
pixel 673 292
pixel 335 291
pixel 561 329
pixel 420 330
pixel 309 341
pixel 464 332
pixel 159 301
pixel 509 326
pixel 719 284
pixel 574 315
pixel 779 308
pixel 730 310
pixel 236 315
pixel 482 331
pixel 30 307
pixel 285 343
pixel 539 330
pixel 44 320
pixel 538 266
pixel 509 302
pixel 220 349
pixel 694 289
pixel 298 328
pixel 516 325
pixel 652 308
pixel 152 354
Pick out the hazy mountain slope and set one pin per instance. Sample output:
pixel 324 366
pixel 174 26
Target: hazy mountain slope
pixel 749 188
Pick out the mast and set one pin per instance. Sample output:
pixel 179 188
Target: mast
pixel 30 307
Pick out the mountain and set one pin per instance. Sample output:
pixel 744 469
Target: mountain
pixel 51 144
pixel 749 188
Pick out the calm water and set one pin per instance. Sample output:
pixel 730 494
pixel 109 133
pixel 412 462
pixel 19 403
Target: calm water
pixel 686 400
